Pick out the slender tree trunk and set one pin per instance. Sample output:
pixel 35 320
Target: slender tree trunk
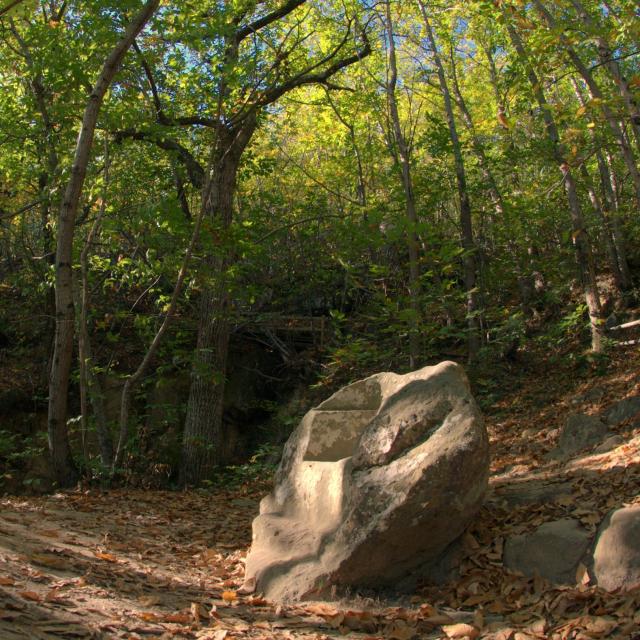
pixel 528 272
pixel 607 60
pixel 582 244
pixel 466 226
pixel 91 390
pixel 133 380
pixel 90 387
pixel 608 212
pixel 47 184
pixel 596 92
pixel 410 202
pixel 487 175
pixel 598 209
pixel 63 465
pixel 361 189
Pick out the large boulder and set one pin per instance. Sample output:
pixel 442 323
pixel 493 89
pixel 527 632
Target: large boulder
pixel 374 483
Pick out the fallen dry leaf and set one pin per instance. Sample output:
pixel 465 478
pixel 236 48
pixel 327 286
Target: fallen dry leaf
pixel 461 630
pixel 400 630
pixel 149 616
pixel 539 627
pixel 107 557
pixel 49 560
pixel 31 595
pixel 179 618
pixel 229 596
pixel 582 575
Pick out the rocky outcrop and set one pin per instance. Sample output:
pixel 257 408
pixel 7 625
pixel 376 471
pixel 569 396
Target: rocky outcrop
pixel 374 483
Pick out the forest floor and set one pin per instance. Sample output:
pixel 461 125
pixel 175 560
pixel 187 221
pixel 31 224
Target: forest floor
pixel 151 564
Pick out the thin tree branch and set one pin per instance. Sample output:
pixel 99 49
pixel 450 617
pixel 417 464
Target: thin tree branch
pixel 10 6
pixel 266 20
pixel 194 168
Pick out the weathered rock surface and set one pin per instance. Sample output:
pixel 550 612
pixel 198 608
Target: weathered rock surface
pixel 612 442
pixel 553 551
pixel 580 431
pixel 623 410
pixel 375 482
pixel 616 557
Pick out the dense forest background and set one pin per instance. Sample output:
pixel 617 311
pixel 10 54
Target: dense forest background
pixel 213 214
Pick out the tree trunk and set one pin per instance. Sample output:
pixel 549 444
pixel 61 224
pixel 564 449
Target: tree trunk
pixel 608 211
pixel 410 203
pixel 607 60
pixel 90 387
pixel 581 242
pixel 596 203
pixel 62 461
pixel 466 225
pixel 527 270
pixel 487 175
pixel 595 92
pixel 203 445
pixel 47 185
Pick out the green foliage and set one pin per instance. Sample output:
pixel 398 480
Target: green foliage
pixel 258 471
pixel 320 226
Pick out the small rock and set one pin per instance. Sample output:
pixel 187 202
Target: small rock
pixel 579 432
pixel 610 443
pixel 623 410
pixel 616 558
pixel 553 551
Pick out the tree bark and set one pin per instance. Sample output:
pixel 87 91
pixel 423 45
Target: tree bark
pixel 203 446
pixel 62 461
pixel 90 387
